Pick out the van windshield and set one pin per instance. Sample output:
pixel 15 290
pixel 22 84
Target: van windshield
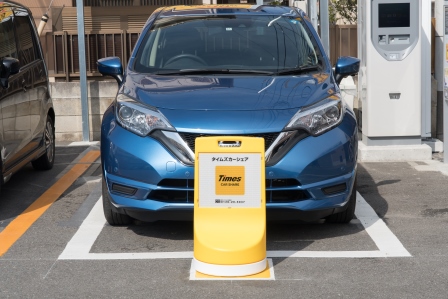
pixel 229 42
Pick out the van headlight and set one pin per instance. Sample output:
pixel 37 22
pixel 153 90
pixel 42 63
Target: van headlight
pixel 320 117
pixel 137 118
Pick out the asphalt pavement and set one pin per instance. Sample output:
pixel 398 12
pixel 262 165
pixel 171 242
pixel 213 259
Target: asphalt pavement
pixel 396 248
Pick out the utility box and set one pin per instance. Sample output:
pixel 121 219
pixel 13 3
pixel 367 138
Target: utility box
pixel 302 4
pixel 229 206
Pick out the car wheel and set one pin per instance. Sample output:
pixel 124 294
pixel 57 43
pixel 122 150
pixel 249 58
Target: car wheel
pixel 112 217
pixel 347 215
pixel 46 161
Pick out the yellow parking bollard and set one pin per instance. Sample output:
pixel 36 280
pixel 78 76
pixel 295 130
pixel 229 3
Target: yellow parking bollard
pixel 229 206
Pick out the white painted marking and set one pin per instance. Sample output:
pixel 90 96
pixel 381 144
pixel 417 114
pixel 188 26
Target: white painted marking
pixel 83 143
pixel 79 246
pixel 271 274
pixel 383 237
pixel 88 232
pixel 388 244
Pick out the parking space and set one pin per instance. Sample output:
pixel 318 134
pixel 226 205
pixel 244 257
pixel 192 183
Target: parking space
pixel 397 245
pixel 368 236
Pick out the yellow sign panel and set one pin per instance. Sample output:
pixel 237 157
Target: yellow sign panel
pixel 229 206
pixel 446 52
pixel 229 180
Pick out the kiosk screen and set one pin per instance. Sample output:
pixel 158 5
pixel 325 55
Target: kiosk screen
pixel 394 15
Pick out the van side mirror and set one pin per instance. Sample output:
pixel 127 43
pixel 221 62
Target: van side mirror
pixel 8 66
pixel 111 66
pixel 346 66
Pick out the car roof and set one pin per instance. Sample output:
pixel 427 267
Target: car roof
pixel 226 9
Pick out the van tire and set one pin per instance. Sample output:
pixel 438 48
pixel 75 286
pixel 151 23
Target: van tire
pixel 46 161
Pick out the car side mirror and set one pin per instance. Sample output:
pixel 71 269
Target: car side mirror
pixel 111 66
pixel 346 66
pixel 8 66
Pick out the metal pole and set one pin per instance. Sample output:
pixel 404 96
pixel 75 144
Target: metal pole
pixel 312 9
pixel 439 63
pixel 445 81
pixel 443 31
pixel 325 26
pixel 445 128
pixel 426 69
pixel 83 71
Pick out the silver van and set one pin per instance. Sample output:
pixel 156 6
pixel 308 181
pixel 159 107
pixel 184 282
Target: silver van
pixel 27 116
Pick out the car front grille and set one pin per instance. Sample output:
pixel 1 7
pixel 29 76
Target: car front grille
pixel 190 138
pixel 172 196
pixel 182 191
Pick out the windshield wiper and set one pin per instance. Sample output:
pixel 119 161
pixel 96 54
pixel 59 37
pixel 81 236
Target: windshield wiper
pixel 213 71
pixel 298 70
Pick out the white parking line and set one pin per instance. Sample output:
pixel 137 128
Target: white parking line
pixel 84 143
pixel 388 244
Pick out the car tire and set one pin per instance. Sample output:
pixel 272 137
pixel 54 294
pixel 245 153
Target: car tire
pixel 112 217
pixel 348 214
pixel 46 161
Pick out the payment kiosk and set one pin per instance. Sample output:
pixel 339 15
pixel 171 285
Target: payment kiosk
pixel 390 76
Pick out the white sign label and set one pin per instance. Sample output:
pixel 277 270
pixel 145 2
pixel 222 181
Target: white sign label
pixel 229 180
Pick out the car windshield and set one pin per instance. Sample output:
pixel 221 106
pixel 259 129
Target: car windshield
pixel 226 44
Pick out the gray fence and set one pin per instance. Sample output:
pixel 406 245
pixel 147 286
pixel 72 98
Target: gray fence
pixel 61 49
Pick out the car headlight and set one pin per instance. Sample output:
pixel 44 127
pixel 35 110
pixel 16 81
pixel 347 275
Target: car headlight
pixel 137 118
pixel 320 117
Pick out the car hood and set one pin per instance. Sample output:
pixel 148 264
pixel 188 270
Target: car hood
pixel 239 104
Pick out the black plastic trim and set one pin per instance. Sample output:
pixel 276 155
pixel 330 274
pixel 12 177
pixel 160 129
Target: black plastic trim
pixel 335 189
pixel 282 149
pixel 124 189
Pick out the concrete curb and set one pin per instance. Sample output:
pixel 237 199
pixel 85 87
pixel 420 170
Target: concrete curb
pixel 394 153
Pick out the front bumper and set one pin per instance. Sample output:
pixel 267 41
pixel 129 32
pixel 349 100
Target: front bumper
pixel 147 182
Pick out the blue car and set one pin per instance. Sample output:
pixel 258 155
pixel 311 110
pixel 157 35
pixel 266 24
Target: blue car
pixel 233 70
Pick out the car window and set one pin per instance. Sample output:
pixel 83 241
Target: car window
pixel 268 43
pixel 27 47
pixel 7 41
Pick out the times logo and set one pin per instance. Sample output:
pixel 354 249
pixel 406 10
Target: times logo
pixel 229 180
pixel 224 178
